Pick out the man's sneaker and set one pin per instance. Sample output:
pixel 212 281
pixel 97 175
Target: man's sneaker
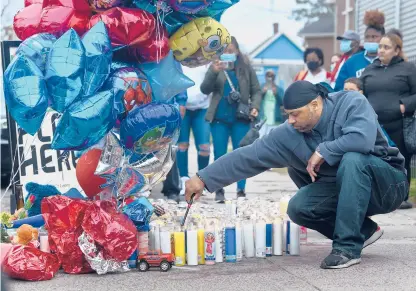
pixel 220 196
pixel 174 197
pixel 338 260
pixel 374 237
pixel 183 181
pixel 405 205
pixel 241 194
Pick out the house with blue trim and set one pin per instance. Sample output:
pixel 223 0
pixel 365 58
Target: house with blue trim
pixel 279 53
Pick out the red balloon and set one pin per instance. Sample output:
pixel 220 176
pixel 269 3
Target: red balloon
pixel 26 21
pixel 147 40
pixel 52 16
pixel 86 167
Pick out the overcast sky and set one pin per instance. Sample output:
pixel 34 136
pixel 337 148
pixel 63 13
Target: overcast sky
pixel 249 20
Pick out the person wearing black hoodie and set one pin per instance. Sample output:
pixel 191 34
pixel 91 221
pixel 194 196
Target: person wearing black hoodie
pixel 389 83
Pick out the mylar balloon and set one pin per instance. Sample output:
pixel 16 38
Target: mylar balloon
pixel 189 7
pixel 85 169
pixel 51 16
pixel 37 48
pixel 150 127
pixel 202 34
pixel 85 122
pixel 98 56
pixel 165 88
pixel 146 41
pixel 65 70
pixel 131 89
pixel 25 93
pixel 102 5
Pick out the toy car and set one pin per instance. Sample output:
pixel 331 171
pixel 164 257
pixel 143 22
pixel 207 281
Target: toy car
pixel 155 259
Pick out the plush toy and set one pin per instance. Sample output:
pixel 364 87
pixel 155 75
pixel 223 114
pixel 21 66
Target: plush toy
pixel 25 234
pixel 35 195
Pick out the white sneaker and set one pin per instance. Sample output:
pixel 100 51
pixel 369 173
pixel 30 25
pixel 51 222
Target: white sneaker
pixel 183 180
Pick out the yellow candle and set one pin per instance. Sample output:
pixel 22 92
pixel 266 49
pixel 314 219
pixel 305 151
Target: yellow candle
pixel 201 246
pixel 179 238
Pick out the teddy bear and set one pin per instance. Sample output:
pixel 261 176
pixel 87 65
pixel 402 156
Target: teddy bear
pixel 25 234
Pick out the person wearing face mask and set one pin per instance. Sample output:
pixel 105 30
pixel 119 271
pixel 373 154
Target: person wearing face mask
pixel 389 83
pixel 334 60
pixel 314 60
pixel 349 45
pixel 338 157
pixel 235 103
pixel 355 65
pixel 271 108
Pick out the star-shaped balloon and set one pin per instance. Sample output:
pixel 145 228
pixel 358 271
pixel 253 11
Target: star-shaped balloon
pixel 65 70
pixel 164 88
pixel 85 122
pixel 98 56
pixel 37 48
pixel 25 93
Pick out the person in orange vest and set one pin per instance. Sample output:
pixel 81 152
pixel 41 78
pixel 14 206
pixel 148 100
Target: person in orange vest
pixel 314 60
pixel 349 45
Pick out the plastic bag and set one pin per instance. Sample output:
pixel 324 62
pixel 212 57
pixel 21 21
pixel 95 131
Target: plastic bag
pixel 112 230
pixel 63 218
pixel 30 264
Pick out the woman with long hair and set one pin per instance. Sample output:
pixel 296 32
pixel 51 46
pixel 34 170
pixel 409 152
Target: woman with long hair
pixel 236 99
pixel 389 83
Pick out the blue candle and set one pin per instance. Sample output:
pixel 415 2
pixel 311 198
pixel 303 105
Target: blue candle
pixel 230 245
pixel 269 240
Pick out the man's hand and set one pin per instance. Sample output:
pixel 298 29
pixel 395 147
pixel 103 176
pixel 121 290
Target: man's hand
pixel 402 108
pixel 194 185
pixel 314 164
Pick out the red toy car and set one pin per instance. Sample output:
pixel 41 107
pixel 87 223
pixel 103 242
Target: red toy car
pixel 155 259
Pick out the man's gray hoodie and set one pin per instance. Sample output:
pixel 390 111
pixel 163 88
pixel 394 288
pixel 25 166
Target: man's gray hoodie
pixel 348 124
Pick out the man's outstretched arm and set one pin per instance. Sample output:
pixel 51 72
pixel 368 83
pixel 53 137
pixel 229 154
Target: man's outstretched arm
pixel 265 153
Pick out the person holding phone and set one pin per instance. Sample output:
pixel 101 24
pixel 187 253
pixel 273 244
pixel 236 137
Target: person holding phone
pixel 235 102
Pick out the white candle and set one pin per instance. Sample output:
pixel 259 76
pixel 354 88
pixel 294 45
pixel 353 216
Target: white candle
pixel 248 232
pixel 218 245
pixel 44 243
pixel 294 246
pixel 192 247
pixel 260 240
pixel 165 242
pixel 157 237
pixel 278 237
pixel 239 246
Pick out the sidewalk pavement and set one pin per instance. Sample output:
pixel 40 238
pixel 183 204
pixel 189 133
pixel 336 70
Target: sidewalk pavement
pixel 388 264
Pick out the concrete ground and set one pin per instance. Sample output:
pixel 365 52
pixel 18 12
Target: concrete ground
pixel 388 264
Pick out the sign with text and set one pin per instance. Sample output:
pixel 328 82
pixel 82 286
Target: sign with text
pixel 41 164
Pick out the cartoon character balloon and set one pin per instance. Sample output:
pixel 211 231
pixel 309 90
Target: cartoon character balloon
pixel 131 89
pixel 198 41
pixel 150 128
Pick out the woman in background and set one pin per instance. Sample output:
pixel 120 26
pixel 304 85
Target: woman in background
pixel 234 87
pixel 314 60
pixel 389 83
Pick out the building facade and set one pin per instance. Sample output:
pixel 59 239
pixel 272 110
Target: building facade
pixel 399 14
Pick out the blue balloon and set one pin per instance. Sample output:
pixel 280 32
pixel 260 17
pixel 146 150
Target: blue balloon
pixel 151 127
pixel 37 48
pixel 85 122
pixel 131 89
pixel 166 79
pixel 98 56
pixel 25 93
pixel 139 211
pixel 65 70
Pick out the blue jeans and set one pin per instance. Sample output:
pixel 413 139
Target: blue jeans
pixel 221 133
pixel 365 186
pixel 195 120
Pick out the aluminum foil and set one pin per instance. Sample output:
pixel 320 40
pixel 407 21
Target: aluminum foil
pixel 96 259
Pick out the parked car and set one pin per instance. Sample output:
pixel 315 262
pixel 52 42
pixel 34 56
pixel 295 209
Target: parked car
pixel 155 259
pixel 6 160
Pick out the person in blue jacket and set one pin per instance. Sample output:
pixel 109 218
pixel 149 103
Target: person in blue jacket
pixel 338 157
pixel 355 65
